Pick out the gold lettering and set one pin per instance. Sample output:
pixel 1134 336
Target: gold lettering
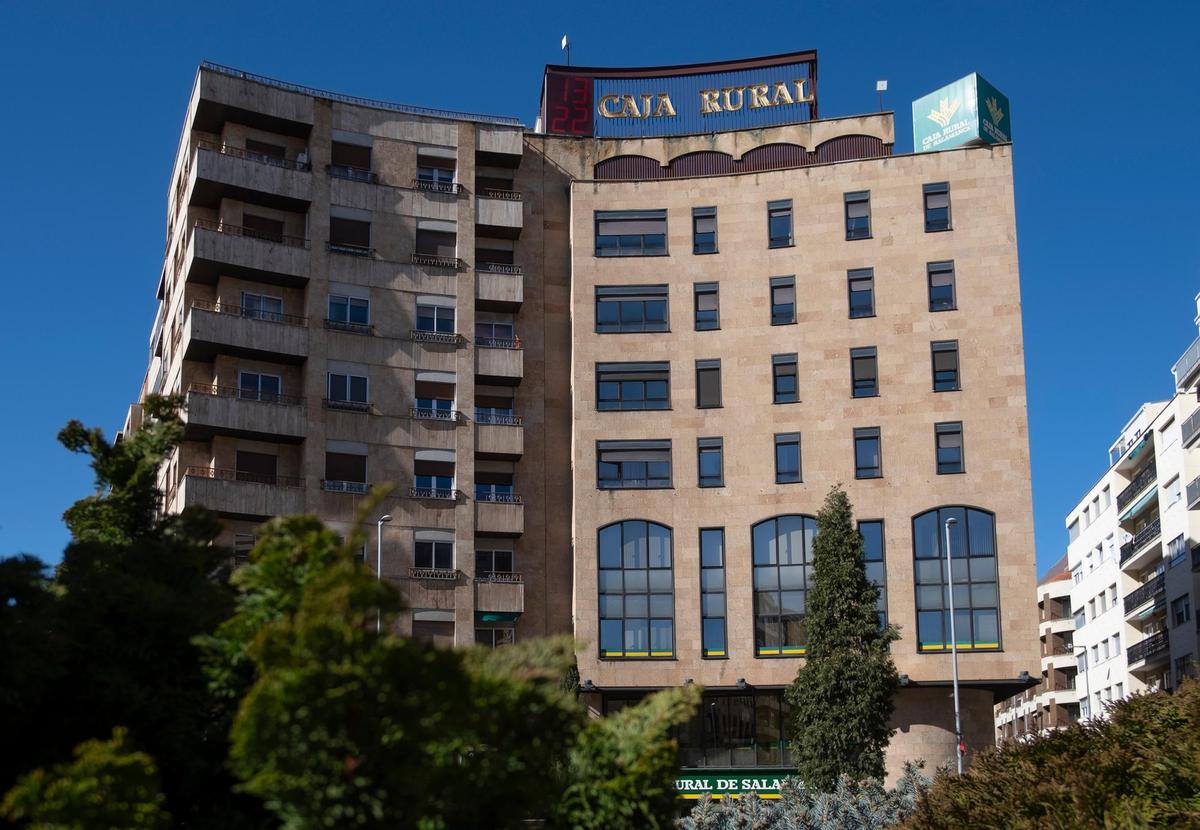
pixel 802 97
pixel 646 104
pixel 781 95
pixel 630 110
pixel 665 107
pixel 708 101
pixel 727 97
pixel 758 96
pixel 603 106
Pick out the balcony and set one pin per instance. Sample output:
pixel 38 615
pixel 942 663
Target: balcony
pixel 446 338
pixel 435 187
pixel 500 593
pixel 352 174
pixel 499 361
pixel 499 286
pixel 434 493
pixel 1140 482
pixel 1186 367
pixel 445 416
pixel 346 326
pixel 219 248
pixel 225 171
pixel 438 261
pixel 1140 541
pixel 1193 493
pixel 499 437
pixel 357 488
pixel 498 213
pixel 227 410
pixel 350 249
pixel 435 574
pixel 224 328
pixel 1152 647
pixel 1145 593
pixel 1191 429
pixel 347 406
pixel 500 518
pixel 242 495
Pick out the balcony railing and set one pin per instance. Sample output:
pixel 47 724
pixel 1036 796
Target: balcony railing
pixel 498 268
pixel 354 174
pixel 440 574
pixel 1193 493
pixel 425 336
pixel 347 406
pixel 498 419
pixel 1149 647
pixel 1191 428
pixel 424 413
pixel 435 187
pixel 434 493
pixel 335 486
pixel 245 394
pixel 353 328
pixel 349 249
pixel 498 193
pixel 498 342
pixel 249 313
pixel 1144 593
pixel 250 155
pixel 510 577
pixel 1144 537
pixel 437 261
pixel 1140 483
pixel 497 498
pixel 252 233
pixel 1186 364
pixel 242 475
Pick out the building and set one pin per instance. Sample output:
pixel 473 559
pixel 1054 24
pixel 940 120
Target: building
pixel 612 365
pixel 1053 704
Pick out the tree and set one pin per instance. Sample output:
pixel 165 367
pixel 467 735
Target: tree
pixel 843 697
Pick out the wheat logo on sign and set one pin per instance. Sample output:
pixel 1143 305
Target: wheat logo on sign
pixel 994 109
pixel 945 111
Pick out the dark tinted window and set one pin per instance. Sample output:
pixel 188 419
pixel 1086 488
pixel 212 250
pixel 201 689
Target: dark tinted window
pixel 945 365
pixel 707 306
pixel 868 453
pixel 949 440
pixel 937 207
pixel 976 592
pixel 783 300
pixel 704 230
pixel 779 223
pixel 861 285
pixel 787 457
pixel 637 586
pixel 631 232
pixel 783 378
pixel 864 374
pixel 633 386
pixel 709 462
pixel 708 384
pixel 858 215
pixel 633 465
pixel 631 308
pixel 941 286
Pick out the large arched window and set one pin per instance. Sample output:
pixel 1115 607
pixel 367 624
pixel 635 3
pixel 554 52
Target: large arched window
pixel 637 601
pixel 782 573
pixel 976 592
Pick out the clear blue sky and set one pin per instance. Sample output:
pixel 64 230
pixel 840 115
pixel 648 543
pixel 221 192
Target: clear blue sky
pixel 1104 118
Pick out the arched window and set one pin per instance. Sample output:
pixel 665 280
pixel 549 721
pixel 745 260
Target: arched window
pixel 637 600
pixel 782 573
pixel 976 592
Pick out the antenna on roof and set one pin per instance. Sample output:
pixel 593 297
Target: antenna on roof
pixel 881 87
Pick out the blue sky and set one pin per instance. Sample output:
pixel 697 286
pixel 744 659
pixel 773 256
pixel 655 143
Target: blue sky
pixel 1104 112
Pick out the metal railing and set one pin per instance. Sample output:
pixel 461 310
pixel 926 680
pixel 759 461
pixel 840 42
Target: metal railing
pixel 499 576
pixel 353 328
pixel 349 249
pixel 425 336
pixel 435 187
pixel 334 486
pixel 437 261
pixel 493 497
pixel 249 313
pixel 351 173
pixel 220 474
pixel 1148 647
pixel 497 419
pixel 1139 483
pixel 249 155
pixel 251 233
pixel 434 493
pixel 1143 537
pixel 244 394
pixel 498 342
pixel 453 115
pixel 1144 593
pixel 424 413
pixel 498 268
pixel 347 406
pixel 499 193
pixel 1191 428
pixel 441 574
pixel 1193 493
pixel 1186 364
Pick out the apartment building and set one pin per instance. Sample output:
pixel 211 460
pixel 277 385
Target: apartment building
pixel 611 366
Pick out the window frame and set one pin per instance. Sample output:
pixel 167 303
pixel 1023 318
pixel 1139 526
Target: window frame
pixel 862 353
pixel 703 445
pixel 642 250
pixel 643 293
pixel 782 650
pixel 939 267
pixel 366 379
pixel 639 445
pixel 624 654
pixel 931 189
pixel 858 275
pixel 705 652
pixel 881 608
pixel 937 347
pixel 709 365
pixel 856 197
pixel 791 359
pixel 700 213
pixel 788 282
pixel 780 206
pixel 258 390
pixel 785 439
pixel 349 301
pixel 868 434
pixel 632 368
pixel 945 428
pixel 705 289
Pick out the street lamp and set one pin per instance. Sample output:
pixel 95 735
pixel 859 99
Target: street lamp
pixel 379 564
pixel 958 744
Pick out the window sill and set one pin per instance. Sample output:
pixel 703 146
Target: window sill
pixel 961 650
pixel 785 403
pixel 706 657
pixel 797 481
pixel 938 230
pixel 858 397
pixel 707 328
pixel 637 659
pixel 788 323
pixel 599 255
pixel 659 409
pixel 633 489
pixel 704 253
pixel 711 486
pixel 857 477
pixel 862 316
pixel 858 238
pixel 716 406
pixel 939 310
pixel 955 473
pixel 955 389
pixel 773 245
pixel 646 331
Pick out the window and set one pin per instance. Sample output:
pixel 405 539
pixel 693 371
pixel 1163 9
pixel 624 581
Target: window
pixel 1184 667
pixel 349 236
pixel 948 438
pixel 937 206
pixel 858 215
pixel 873 562
pixel 1176 551
pixel 783 378
pixel 1116 644
pixel 704 230
pixel 712 592
pixel 490 562
pixel 631 308
pixel 945 365
pixel 708 384
pixel 787 457
pixel 495 334
pixel 746 730
pixel 1080 618
pixel 707 306
pixel 864 375
pixel 434 170
pixel 783 301
pixel 861 283
pixel 495 636
pixel 262 227
pixel 1112 595
pixel 345 472
pixel 941 286
pixel 439 318
pixel 633 465
pixel 633 386
pixel 350 161
pixel 868 453
pixel 1174 491
pixel 1073 531
pixel 256 467
pixel 255 386
pixel 710 462
pixel 265 150
pixel 437 554
pixel 347 388
pixel 1181 611
pixel 1120 691
pixel 779 224
pixel 1106 494
pixel 433 627
pixel 782 557
pixel 495 409
pixel 976 596
pixel 637 602
pixel 495 487
pixel 350 312
pixel 436 238
pixel 631 233
pixel 262 307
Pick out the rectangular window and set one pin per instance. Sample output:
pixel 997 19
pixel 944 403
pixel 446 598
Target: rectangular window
pixel 861 282
pixel 633 386
pixel 1106 495
pixel 262 307
pixel 438 555
pixel 712 592
pixel 787 457
pixel 868 453
pixel 858 215
pixel 784 381
pixel 637 603
pixel 350 388
pixel 435 172
pixel 633 465
pixel 973 573
pixel 342 468
pixel 941 286
pixel 438 318
pixel 433 627
pixel 1181 611
pixel 710 462
pixel 707 306
pixel 945 365
pixel 864 374
pixel 631 308
pixel 349 235
pixel 704 230
pixel 937 206
pixel 262 227
pixel 265 150
pixel 783 301
pixel 489 563
pixel 948 438
pixel 349 312
pixel 873 562
pixel 257 467
pixel 349 157
pixel 779 223
pixel 1073 531
pixel 631 232
pixel 255 386
pixel 495 636
pixel 708 384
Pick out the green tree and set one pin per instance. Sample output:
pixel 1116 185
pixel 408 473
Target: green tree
pixel 108 785
pixel 842 698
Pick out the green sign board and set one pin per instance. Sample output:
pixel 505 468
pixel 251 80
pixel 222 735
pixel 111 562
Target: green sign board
pixel 730 783
pixel 968 111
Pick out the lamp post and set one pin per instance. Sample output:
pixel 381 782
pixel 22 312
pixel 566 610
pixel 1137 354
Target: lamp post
pixel 958 745
pixel 379 564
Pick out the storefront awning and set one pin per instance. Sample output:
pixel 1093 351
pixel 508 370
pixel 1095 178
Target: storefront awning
pixel 1137 506
pixel 496 616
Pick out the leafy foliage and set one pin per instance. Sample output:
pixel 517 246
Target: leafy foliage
pixel 842 698
pixel 1140 768
pixel 108 785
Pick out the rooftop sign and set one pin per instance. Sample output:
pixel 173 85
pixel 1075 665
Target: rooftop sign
pixel 680 100
pixel 968 111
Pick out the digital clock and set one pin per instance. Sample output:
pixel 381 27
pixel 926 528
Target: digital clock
pixel 569 100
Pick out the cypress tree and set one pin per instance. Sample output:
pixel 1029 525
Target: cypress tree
pixel 842 698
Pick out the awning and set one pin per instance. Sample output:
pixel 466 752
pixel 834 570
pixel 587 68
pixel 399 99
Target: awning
pixel 1137 506
pixel 496 616
pixel 1137 448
